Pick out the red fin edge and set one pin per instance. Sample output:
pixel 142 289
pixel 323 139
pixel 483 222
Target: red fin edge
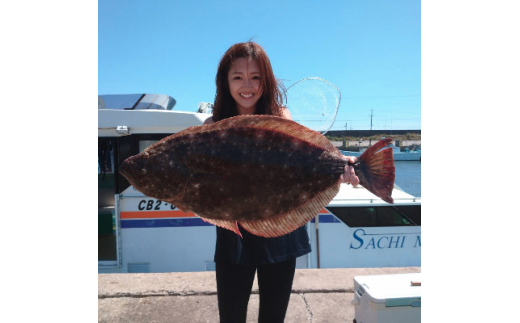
pixel 377 171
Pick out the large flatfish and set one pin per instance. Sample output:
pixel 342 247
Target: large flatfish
pixel 271 175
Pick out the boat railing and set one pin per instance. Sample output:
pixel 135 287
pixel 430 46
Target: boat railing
pixel 412 199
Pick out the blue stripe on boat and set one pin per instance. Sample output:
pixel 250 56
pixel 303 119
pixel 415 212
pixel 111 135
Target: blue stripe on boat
pixel 327 218
pixel 162 223
pixel 194 222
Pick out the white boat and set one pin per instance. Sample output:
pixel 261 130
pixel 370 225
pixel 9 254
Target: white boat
pixel 398 154
pixel 137 233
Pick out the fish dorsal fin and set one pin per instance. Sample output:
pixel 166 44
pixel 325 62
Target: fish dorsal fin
pixel 286 223
pixel 267 122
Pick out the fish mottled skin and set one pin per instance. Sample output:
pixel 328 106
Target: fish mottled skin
pixel 261 170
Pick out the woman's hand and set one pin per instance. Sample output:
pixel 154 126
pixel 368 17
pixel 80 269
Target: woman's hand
pixel 349 176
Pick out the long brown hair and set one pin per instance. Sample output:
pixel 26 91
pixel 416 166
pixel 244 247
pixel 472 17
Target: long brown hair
pixel 273 90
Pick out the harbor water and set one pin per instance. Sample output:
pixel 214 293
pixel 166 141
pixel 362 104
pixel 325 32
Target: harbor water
pixel 408 176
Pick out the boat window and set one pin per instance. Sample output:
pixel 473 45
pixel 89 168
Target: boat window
pixel 143 144
pixel 356 216
pixel 155 102
pixel 107 228
pixel 380 216
pixel 106 167
pixel 171 103
pixel 118 101
pixel 107 238
pixel 411 212
pixel 136 102
pixel 105 156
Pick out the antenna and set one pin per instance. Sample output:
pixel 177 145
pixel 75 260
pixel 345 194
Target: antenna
pixel 347 123
pixel 371 115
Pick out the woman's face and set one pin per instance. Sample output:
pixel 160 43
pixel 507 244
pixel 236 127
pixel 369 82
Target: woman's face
pixel 244 80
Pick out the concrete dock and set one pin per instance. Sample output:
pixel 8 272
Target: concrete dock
pixel 318 295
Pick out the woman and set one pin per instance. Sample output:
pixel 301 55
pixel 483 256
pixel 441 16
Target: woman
pixel 246 85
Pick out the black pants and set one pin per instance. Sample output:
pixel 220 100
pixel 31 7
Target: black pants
pixel 234 284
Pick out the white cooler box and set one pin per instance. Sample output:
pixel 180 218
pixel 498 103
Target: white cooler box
pixel 387 298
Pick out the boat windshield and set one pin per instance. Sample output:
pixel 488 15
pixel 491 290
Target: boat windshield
pixel 136 102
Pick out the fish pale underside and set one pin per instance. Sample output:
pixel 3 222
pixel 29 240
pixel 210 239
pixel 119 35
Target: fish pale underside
pixel 268 174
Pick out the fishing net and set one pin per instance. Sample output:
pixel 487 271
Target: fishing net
pixel 314 102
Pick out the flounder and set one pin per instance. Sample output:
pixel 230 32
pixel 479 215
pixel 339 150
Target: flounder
pixel 271 175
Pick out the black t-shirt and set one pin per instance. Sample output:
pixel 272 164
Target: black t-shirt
pixel 252 249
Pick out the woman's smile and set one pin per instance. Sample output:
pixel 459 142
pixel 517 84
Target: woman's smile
pixel 244 79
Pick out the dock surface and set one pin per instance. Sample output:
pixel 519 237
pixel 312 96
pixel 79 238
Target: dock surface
pixel 318 295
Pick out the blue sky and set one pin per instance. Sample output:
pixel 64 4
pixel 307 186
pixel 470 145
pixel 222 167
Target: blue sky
pixel 370 50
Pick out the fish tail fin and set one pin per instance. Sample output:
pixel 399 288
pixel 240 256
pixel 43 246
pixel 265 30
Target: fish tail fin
pixel 376 170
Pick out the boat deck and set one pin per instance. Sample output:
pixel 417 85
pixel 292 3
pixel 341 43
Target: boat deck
pixel 359 196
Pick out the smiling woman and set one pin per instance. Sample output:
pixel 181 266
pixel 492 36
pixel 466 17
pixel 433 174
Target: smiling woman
pixel 245 78
pixel 245 86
